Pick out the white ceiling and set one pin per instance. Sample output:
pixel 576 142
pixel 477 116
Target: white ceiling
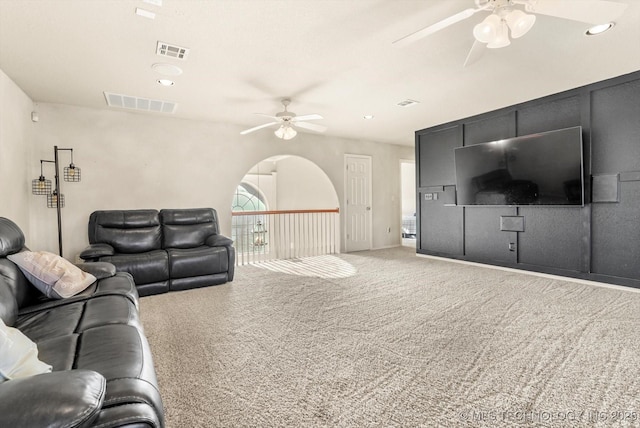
pixel 332 57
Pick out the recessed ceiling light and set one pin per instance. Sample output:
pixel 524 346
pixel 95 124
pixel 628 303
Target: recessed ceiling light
pixel 599 29
pixel 167 69
pixel 145 13
pixel 165 82
pixel 368 116
pixel 154 2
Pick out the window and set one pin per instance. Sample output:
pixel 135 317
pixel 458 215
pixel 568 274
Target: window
pixel 246 229
pixel 247 198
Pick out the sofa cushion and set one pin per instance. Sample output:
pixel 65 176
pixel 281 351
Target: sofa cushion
pixel 152 266
pixel 187 228
pixel 77 317
pixel 203 260
pixel 54 276
pixel 128 231
pixel 59 352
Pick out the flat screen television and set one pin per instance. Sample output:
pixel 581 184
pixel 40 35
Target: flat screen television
pixel 538 169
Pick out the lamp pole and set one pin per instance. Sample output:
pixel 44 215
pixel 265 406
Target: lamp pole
pixel 58 199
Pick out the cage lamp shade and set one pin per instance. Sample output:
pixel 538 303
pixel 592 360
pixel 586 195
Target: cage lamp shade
pixel 71 173
pixel 41 186
pixel 52 200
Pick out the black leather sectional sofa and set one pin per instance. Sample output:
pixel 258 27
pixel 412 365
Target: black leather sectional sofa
pixel 103 373
pixel 173 249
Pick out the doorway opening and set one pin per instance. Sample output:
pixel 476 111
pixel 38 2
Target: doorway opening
pixel 408 202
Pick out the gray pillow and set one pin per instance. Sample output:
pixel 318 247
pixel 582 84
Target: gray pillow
pixel 56 277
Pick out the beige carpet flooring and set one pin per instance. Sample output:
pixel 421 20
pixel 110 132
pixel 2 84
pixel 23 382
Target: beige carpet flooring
pixel 384 338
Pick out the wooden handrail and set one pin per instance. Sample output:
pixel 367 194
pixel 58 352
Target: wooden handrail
pixel 241 213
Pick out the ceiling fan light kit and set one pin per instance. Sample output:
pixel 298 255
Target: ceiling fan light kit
pixel 285 132
pixel 494 30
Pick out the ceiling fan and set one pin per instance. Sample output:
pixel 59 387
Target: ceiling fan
pixel 506 16
pixel 287 120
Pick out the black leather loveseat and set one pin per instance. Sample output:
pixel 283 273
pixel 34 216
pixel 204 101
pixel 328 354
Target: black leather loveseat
pixel 103 373
pixel 173 249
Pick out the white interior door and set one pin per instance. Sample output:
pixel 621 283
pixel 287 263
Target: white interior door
pixel 358 202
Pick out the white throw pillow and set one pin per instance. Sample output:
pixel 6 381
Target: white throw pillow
pixel 55 276
pixel 18 355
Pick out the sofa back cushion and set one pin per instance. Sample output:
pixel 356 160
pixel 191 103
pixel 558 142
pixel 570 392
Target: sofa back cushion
pixel 188 228
pixel 15 290
pixel 127 231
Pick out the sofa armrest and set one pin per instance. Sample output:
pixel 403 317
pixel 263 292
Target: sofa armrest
pixel 70 398
pixel 94 251
pixel 218 241
pixel 98 269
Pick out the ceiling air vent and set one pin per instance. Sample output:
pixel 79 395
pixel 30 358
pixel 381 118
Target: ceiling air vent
pixel 137 103
pixel 407 103
pixel 172 51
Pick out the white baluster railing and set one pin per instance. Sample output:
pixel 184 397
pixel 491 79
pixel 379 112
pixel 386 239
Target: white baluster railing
pixel 272 235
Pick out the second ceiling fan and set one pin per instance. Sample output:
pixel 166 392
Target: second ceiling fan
pixel 287 121
pixel 506 18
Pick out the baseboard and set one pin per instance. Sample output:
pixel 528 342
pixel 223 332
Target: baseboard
pixel 539 274
pixel 386 247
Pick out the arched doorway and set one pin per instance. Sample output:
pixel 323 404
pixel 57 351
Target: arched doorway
pixel 285 207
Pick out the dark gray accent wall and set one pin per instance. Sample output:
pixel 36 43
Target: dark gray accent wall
pixel 600 241
pixel 615 139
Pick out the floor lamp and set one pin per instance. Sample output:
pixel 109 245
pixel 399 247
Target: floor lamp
pixel 55 198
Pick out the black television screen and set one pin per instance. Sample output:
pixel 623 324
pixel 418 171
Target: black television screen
pixel 537 169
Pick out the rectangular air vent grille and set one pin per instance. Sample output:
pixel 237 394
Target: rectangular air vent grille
pixel 407 103
pixel 172 51
pixel 138 103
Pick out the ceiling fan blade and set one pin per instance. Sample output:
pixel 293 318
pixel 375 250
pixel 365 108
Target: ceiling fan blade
pixel 307 117
pixel 255 128
pixel 311 126
pixel 476 52
pixel 467 13
pixel 590 11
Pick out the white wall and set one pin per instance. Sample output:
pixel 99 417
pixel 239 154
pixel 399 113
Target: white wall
pixel 302 185
pixel 132 160
pixel 15 154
